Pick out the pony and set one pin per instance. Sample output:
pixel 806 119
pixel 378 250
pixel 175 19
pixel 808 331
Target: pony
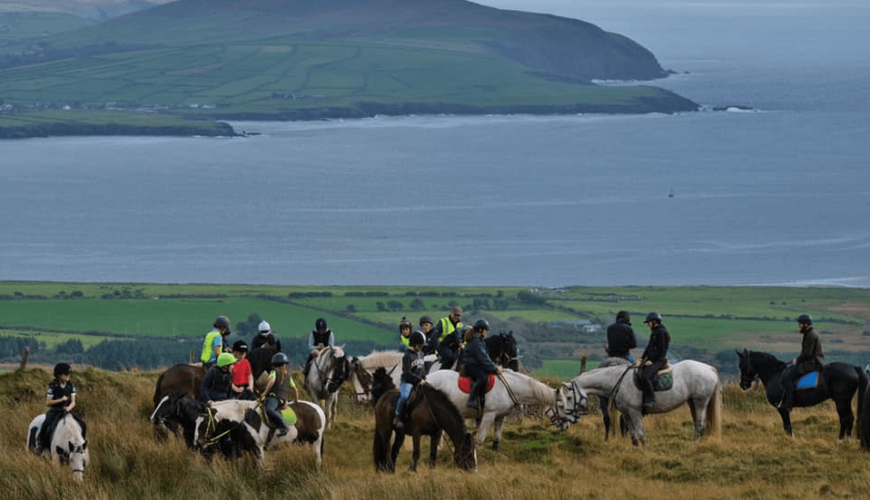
pixel 178 410
pixel 695 383
pixel 511 390
pixel 837 381
pixel 363 368
pixel 237 427
pixel 68 443
pixel 430 413
pixel 260 360
pixel 502 350
pixel 178 379
pixel 329 369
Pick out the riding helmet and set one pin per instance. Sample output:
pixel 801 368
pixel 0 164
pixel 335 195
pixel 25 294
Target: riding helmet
pixel 62 368
pixel 623 316
pixel 240 346
pixel 805 319
pixel 264 327
pixel 320 325
pixel 426 319
pixel 481 325
pixel 405 322
pixel 280 359
pixel 653 316
pixel 417 338
pixel 226 359
pixel 222 322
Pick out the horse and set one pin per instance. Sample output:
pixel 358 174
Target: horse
pixel 430 413
pixel 179 379
pixel 604 402
pixel 363 368
pixel 260 360
pixel 837 381
pixel 695 383
pixel 329 369
pixel 511 390
pixel 68 443
pixel 502 350
pixel 235 427
pixel 177 409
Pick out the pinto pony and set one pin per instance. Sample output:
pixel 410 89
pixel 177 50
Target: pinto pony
pixel 68 444
pixel 329 369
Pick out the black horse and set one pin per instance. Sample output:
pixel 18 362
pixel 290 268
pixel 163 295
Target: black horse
pixel 837 381
pixel 502 350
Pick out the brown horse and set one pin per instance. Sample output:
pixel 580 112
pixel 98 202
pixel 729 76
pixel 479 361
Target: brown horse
pixel 180 380
pixel 430 413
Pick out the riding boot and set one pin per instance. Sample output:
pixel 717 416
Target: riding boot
pixel 398 420
pixel 648 398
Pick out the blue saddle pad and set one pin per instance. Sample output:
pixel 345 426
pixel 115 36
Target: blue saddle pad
pixel 808 381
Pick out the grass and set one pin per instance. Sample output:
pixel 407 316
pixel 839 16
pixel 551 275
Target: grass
pixel 753 459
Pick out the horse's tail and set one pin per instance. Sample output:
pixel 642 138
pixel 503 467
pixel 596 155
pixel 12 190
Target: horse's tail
pixel 157 395
pixel 862 429
pixel 380 452
pixel 714 412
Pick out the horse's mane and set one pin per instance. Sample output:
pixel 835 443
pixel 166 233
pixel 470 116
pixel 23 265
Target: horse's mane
pixel 437 398
pixel 381 358
pixel 765 358
pixel 540 390
pixel 71 426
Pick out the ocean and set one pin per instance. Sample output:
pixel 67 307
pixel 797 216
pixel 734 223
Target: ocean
pixel 771 195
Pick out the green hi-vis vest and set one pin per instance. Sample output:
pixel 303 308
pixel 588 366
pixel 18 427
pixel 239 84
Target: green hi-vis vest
pixel 447 328
pixel 207 349
pixel 405 340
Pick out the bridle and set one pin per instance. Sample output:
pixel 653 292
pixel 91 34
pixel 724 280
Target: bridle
pixel 578 398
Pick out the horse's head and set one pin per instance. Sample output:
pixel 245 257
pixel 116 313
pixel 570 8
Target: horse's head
pixel 570 407
pixel 78 458
pixel 362 381
pixel 340 369
pixel 748 373
pixel 71 446
pixel 466 455
pixel 382 382
pixel 510 351
pixel 558 413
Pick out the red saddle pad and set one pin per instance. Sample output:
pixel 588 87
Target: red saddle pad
pixel 465 384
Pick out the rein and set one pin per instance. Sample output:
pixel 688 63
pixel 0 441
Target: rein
pixel 509 390
pixel 615 390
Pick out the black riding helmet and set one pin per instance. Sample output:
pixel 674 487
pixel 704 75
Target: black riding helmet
pixel 222 322
pixel 240 346
pixel 805 319
pixel 426 319
pixel 280 359
pixel 405 322
pixel 62 368
pixel 417 338
pixel 320 325
pixel 481 325
pixel 653 316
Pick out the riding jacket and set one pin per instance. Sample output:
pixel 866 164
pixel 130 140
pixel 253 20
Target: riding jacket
pixel 413 367
pixel 442 329
pixel 326 339
pixel 260 340
pixel 281 387
pixel 476 355
pixel 811 357
pixel 659 341
pixel 620 339
pixel 57 391
pixel 216 385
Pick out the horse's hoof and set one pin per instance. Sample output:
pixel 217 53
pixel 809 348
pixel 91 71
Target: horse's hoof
pixel 496 445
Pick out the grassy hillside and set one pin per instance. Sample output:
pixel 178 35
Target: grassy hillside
pixel 753 459
pixel 15 24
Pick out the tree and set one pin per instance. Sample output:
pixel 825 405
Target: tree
pixel 395 305
pixel 249 327
pixel 417 304
pixel 351 308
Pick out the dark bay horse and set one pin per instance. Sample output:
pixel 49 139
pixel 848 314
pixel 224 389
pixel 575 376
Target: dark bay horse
pixel 179 380
pixel 837 381
pixel 430 414
pixel 502 350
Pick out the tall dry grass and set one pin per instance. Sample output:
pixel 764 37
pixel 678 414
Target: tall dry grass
pixel 753 459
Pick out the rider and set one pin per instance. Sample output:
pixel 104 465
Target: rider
pixel 413 373
pixel 476 362
pixel 61 399
pixel 654 357
pixel 621 338
pixel 243 378
pixel 426 326
pixel 444 341
pixel 809 360
pixel 278 392
pixel 266 338
pixel 319 338
pixel 214 341
pixel 217 383
pixel 405 334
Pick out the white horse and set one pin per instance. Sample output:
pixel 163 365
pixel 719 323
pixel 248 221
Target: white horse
pixel 68 444
pixel 364 367
pixel 509 391
pixel 695 383
pixel 329 369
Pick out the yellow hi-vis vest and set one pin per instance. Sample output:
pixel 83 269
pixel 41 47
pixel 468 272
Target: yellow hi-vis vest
pixel 208 346
pixel 447 328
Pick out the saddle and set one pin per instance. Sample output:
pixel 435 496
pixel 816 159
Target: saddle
pixel 464 384
pixel 808 381
pixel 663 380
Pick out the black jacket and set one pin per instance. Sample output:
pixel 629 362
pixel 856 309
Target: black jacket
pixel 811 357
pixel 413 367
pixel 620 339
pixel 260 340
pixel 216 385
pixel 475 354
pixel 659 341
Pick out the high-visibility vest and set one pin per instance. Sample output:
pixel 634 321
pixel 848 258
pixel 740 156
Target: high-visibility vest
pixel 447 328
pixel 207 349
pixel 405 340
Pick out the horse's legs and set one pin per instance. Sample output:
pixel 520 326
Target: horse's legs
pixel 603 405
pixel 496 434
pixel 786 421
pixel 397 445
pixel 415 456
pixel 847 418
pixel 434 443
pixel 485 422
pixel 699 412
pixel 634 421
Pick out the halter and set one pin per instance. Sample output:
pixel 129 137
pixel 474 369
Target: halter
pixel 212 425
pixel 328 379
pixel 578 398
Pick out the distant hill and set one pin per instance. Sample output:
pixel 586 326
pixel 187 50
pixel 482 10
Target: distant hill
pixel 100 10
